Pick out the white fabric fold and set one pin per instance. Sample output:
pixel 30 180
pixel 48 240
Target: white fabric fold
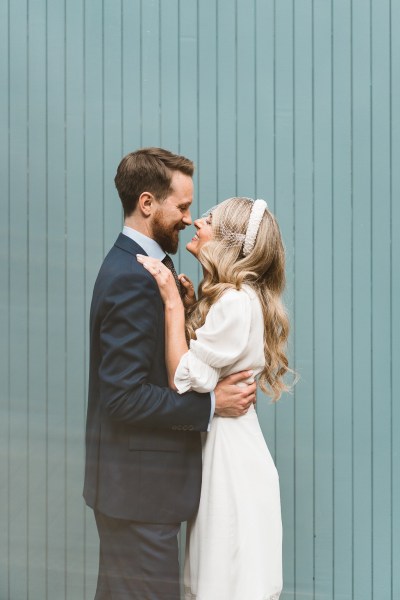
pixel 221 342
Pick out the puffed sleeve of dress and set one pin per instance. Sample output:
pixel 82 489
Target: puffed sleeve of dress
pixel 220 342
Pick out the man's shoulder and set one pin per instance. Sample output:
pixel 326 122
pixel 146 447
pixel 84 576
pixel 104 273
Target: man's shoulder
pixel 121 271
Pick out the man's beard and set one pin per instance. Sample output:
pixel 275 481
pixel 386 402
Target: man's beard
pixel 165 235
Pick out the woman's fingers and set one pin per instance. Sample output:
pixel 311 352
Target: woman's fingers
pixel 189 297
pixel 163 276
pixel 187 284
pixel 153 266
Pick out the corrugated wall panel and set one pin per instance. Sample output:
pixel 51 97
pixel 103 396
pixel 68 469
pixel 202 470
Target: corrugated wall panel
pixel 297 102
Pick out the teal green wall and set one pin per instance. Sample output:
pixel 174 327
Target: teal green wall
pixel 294 101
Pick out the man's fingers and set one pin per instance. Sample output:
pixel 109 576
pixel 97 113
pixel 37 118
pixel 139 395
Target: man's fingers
pixel 237 377
pixel 251 388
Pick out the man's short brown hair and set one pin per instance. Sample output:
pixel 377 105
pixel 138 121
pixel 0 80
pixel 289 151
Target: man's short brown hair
pixel 148 170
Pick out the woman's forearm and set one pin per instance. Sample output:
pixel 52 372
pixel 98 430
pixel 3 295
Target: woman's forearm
pixel 175 339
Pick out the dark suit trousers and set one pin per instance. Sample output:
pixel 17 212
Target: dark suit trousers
pixel 138 561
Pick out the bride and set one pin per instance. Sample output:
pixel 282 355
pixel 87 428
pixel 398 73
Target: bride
pixel 234 544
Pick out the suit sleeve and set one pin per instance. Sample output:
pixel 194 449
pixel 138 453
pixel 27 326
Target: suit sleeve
pixel 128 339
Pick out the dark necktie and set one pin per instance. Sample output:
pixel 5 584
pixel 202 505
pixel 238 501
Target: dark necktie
pixel 167 260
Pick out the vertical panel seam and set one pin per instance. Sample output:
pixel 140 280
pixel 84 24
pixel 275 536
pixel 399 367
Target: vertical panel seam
pixel 313 271
pixel 254 123
pixel 47 301
pixel 294 282
pixel 103 141
pixel 9 306
pixel 179 76
pixel 27 304
pixel 371 291
pixel 141 71
pixel 274 169
pixel 65 302
pixel 236 97
pixel 216 98
pixel 84 271
pixel 332 65
pixel 122 77
pixel 391 294
pixel 352 290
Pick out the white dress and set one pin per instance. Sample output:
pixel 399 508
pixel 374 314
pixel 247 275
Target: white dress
pixel 234 545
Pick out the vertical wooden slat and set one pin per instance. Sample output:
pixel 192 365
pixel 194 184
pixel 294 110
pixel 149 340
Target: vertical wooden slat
pixel 56 301
pixel 264 40
pixel 207 189
pixel 5 402
pixel 342 308
pixel 75 297
pixel 361 300
pixel 283 208
pixel 131 92
pixel 150 84
pixel 188 104
pixel 323 309
pixel 169 74
pixel 302 320
pixel 112 118
pixel 208 91
pixel 395 294
pixel 226 70
pixel 37 243
pixel 245 99
pixel 94 141
pixel 93 214
pixel 381 325
pixel 18 418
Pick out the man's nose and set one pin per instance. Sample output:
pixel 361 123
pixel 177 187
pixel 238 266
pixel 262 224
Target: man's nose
pixel 187 218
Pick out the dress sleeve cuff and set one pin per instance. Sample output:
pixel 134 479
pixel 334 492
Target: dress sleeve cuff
pixel 194 374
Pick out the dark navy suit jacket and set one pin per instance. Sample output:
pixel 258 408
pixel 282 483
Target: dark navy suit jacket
pixel 143 449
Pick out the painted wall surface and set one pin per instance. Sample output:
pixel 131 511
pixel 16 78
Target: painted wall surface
pixel 294 101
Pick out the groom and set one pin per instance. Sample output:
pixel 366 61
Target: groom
pixel 143 448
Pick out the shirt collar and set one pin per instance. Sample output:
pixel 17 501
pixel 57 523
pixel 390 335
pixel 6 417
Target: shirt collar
pixel 151 247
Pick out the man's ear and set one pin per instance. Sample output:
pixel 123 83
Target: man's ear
pixel 146 204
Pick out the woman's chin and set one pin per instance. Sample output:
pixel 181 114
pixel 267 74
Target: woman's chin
pixel 191 247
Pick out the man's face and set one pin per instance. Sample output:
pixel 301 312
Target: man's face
pixel 173 213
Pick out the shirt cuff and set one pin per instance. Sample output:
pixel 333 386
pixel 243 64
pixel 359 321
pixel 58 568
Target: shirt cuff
pixel 212 396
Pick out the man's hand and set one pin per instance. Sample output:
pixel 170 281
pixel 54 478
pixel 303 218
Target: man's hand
pixel 233 400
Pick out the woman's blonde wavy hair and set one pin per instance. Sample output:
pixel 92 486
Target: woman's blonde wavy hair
pixel 263 269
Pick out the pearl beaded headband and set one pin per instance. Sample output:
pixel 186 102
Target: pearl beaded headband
pixel 257 211
pixel 234 238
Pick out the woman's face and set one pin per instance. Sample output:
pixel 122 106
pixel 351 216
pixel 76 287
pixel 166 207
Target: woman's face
pixel 203 234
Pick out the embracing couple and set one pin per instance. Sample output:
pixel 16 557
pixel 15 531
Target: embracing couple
pixel 172 433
